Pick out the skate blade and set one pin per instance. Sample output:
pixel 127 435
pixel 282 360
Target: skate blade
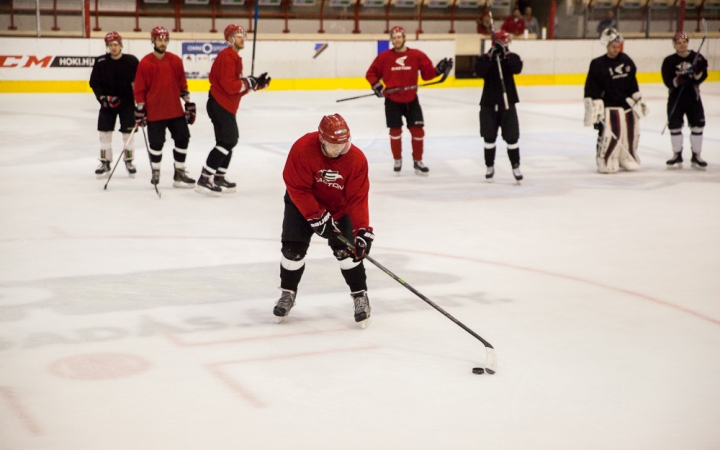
pixel 421 173
pixel 181 185
pixel 364 323
pixel 279 319
pixel 208 192
pixel 229 190
pixel 131 175
pixel 676 166
pixel 697 167
pixel 102 176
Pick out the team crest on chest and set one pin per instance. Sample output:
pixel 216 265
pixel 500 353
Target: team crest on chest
pixel 330 177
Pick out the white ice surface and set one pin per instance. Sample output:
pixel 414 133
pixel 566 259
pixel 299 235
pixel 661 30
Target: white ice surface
pixel 132 322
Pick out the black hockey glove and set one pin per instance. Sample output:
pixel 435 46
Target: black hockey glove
pixel 498 49
pixel 324 225
pixel 109 101
pixel 185 95
pixel 263 81
pixel 190 112
pixel 378 89
pixel 252 82
pixel 700 66
pixel 140 115
pixel 363 242
pixel 444 66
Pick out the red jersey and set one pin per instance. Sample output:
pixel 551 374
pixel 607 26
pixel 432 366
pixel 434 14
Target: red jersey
pixel 513 25
pixel 158 83
pixel 400 69
pixel 226 85
pixel 316 182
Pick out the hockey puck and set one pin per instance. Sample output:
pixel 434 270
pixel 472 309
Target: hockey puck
pixel 478 370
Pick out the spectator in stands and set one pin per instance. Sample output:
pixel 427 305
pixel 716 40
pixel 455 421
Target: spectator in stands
pixel 531 23
pixel 484 26
pixel 514 24
pixel 609 22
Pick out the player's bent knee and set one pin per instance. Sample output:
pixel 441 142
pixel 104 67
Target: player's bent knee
pixel 293 255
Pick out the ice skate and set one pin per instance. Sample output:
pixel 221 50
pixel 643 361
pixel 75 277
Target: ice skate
pixel 398 166
pixel 284 304
pixel 697 162
pixel 420 168
pixel 675 162
pixel 155 178
pixel 362 308
pixel 227 187
pixel 181 179
pixel 130 168
pixel 205 186
pixel 490 173
pixel 103 170
pixel 516 173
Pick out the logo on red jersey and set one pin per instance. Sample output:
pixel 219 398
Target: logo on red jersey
pixel 401 64
pixel 330 178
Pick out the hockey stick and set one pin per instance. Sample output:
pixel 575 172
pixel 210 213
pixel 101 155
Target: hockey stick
pixel 682 88
pixel 393 90
pixel 118 161
pixel 147 147
pixel 490 357
pixel 252 67
pixel 497 57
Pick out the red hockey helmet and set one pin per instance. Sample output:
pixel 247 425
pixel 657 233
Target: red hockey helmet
pixel 159 31
pixel 232 29
pixel 502 37
pixel 679 36
pixel 397 29
pixel 113 36
pixel 334 135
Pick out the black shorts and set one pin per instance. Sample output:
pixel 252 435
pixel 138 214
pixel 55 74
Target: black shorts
pixel 295 227
pixel 224 123
pixel 178 130
pixel 491 119
pixel 108 116
pixel 394 113
pixel 693 110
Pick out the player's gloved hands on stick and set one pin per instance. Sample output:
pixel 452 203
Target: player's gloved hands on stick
pixel 378 89
pixel 363 242
pixel 498 49
pixel 110 101
pixel 263 81
pixel 699 68
pixel 323 225
pixel 679 80
pixel 444 66
pixel 252 82
pixel 140 115
pixel 190 112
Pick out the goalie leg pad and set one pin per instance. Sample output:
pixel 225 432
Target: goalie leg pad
pixel 608 153
pixel 629 159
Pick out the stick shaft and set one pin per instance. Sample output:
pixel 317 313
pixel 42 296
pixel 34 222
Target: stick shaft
pixel 147 147
pixel 124 150
pixel 252 67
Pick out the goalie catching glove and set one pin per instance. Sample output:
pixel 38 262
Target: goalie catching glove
pixel 594 111
pixel 323 225
pixel 638 105
pixel 363 242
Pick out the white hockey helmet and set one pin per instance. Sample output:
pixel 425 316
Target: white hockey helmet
pixel 610 35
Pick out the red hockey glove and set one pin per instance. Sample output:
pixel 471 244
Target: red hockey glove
pixel 323 225
pixel 363 242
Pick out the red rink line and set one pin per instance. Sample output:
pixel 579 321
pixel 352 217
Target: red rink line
pixel 20 411
pixel 214 368
pixel 180 343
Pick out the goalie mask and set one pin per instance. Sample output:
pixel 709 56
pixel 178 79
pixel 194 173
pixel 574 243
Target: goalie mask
pixel 610 35
pixel 334 135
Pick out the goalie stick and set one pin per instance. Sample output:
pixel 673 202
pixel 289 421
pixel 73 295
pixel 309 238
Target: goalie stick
pixel 147 147
pixel 682 88
pixel 393 90
pixel 490 357
pixel 118 161
pixel 497 57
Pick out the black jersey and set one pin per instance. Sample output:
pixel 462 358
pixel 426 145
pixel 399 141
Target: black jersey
pixel 612 80
pixel 675 65
pixel 114 77
pixel 492 91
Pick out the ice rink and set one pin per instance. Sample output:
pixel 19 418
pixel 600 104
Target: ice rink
pixel 133 322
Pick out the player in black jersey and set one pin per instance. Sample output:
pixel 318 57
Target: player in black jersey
pixel 613 104
pixel 682 73
pixel 111 81
pixel 495 112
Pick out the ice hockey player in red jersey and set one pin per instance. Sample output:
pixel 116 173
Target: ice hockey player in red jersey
pixel 227 86
pixel 159 85
pixel 327 193
pixel 398 67
pixel 111 80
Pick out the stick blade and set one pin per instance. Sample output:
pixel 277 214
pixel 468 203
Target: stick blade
pixel 490 360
